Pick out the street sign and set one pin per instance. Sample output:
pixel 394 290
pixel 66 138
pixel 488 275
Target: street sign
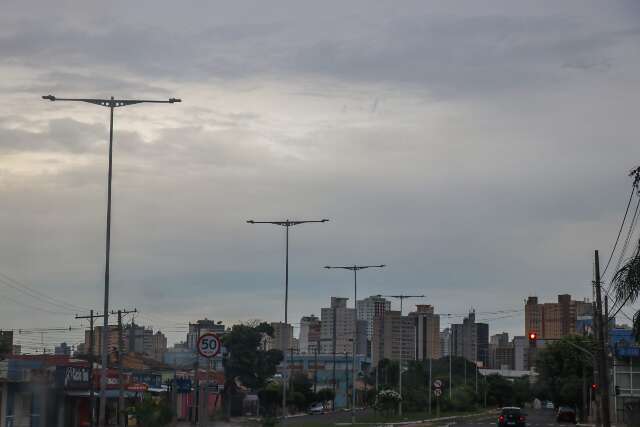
pixel 209 345
pixel 437 392
pixel 437 384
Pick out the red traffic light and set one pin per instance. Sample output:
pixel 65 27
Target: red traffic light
pixel 533 336
pixel 594 386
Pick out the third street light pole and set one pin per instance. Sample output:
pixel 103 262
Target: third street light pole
pixel 401 297
pixel 286 224
pixel 110 103
pixel 355 269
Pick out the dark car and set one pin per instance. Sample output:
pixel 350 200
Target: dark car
pixel 512 417
pixel 566 414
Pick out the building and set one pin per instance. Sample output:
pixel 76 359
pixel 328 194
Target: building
pixel 112 339
pixel 158 346
pixel 309 336
pixel 471 340
pixel 336 327
pixel 202 327
pixel 445 342
pixel 625 376
pixel 63 349
pixel 135 339
pixel 499 339
pixel 520 353
pixel 427 332
pixel 282 337
pixel 6 341
pixel 370 308
pixel 555 320
pixel 393 337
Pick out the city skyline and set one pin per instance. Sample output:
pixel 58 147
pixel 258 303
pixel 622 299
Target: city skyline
pixel 476 186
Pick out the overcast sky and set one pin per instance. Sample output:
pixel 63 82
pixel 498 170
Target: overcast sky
pixel 480 149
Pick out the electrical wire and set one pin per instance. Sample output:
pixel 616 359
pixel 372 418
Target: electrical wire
pixel 624 218
pixel 21 287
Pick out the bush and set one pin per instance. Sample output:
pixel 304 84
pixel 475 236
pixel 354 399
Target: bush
pixel 149 413
pixel 387 402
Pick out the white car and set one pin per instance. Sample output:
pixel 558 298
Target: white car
pixel 316 408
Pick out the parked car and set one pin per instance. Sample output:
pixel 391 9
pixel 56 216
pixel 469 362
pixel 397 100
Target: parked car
pixel 316 408
pixel 512 416
pixel 566 414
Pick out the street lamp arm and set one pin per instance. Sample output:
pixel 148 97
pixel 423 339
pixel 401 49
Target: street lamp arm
pixel 286 223
pixel 354 267
pixel 113 102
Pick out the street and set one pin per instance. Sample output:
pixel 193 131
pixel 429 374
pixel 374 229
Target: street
pixel 535 418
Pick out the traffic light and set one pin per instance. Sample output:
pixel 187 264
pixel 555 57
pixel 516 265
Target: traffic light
pixel 594 386
pixel 533 337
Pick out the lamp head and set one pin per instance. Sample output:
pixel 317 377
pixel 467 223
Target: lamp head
pixel 49 97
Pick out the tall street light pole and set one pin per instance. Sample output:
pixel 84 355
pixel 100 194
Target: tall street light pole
pixel 401 297
pixel 286 224
pixel 355 269
pixel 110 103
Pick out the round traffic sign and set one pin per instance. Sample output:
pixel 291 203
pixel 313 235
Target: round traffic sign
pixel 209 345
pixel 437 384
pixel 437 392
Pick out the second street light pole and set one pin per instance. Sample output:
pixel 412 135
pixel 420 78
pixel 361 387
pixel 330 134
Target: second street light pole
pixel 110 103
pixel 401 297
pixel 355 269
pixel 286 224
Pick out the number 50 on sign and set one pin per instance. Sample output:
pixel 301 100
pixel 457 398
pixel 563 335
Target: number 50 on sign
pixel 209 345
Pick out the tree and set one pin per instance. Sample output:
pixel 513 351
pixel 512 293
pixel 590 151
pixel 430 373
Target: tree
pixel 324 395
pixel 563 370
pixel 246 362
pixel 627 287
pixel 300 383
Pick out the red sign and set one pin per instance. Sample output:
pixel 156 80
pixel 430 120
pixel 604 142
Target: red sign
pixel 209 345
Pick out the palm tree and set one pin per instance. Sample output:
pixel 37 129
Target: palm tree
pixel 627 287
pixel 626 281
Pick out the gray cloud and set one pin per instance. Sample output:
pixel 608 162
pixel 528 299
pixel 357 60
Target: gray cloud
pixel 480 150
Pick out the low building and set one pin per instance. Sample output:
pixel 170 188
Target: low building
pixel 625 381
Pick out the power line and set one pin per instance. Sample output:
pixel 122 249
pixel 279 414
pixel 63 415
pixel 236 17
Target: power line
pixel 619 231
pixel 9 281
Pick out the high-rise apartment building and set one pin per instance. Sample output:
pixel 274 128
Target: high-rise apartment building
pixel 282 336
pixel 427 332
pixel 520 353
pixel 6 341
pixel 471 340
pixel 309 336
pixel 445 342
pixel 501 352
pixel 135 339
pixel 554 320
pixel 393 337
pixel 336 327
pixel 370 308
pixel 499 339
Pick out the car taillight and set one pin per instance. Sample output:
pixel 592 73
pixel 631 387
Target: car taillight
pixel 521 418
pixel 501 418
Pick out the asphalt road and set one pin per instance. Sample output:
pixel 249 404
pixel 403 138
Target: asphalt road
pixel 535 418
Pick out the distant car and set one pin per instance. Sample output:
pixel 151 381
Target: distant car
pixel 512 416
pixel 316 408
pixel 566 414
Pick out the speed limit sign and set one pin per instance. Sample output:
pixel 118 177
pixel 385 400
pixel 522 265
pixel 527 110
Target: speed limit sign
pixel 209 345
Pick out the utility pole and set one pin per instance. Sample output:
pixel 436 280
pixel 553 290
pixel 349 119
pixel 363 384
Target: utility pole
pixel 346 375
pixel 355 269
pixel 450 385
pixel 92 396
pixel 315 368
pixel 401 297
pixel 429 382
pixel 601 352
pixel 110 103
pixel 121 409
pixel 286 224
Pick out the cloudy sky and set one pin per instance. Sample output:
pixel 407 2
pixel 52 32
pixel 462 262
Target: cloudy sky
pixel 479 148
